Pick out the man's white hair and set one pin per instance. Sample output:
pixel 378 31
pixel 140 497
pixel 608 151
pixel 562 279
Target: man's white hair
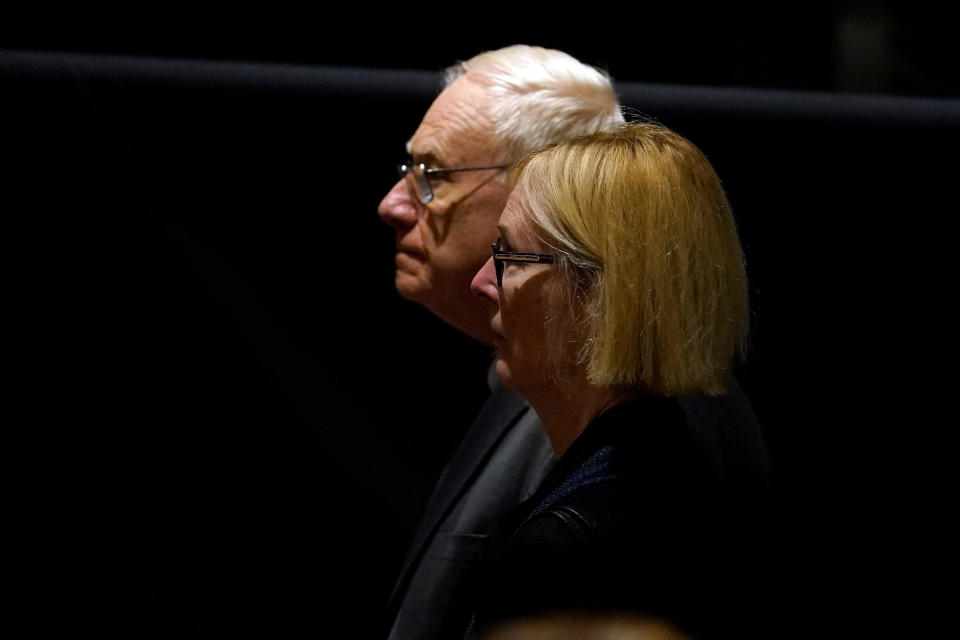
pixel 540 96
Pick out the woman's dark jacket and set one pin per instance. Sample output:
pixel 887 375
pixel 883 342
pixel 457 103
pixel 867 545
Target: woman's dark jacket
pixel 657 508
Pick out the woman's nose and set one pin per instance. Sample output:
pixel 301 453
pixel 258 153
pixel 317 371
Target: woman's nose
pixel 485 282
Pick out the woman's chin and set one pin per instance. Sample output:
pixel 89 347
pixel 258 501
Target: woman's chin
pixel 504 373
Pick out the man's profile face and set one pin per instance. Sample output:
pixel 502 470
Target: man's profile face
pixel 441 245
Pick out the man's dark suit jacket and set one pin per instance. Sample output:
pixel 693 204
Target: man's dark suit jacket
pixel 502 460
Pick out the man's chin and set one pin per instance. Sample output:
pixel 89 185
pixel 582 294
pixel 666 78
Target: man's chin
pixel 409 287
pixel 438 300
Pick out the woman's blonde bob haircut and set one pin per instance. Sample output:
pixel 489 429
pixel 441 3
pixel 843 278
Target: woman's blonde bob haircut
pixel 648 257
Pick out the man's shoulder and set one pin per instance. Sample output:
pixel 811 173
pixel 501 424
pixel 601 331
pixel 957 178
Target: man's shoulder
pixel 501 462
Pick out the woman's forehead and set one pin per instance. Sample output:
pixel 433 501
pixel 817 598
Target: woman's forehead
pixel 515 222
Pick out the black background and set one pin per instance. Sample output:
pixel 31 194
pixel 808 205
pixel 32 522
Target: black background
pixel 232 421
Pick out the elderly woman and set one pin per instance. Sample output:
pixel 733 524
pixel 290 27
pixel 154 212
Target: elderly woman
pixel 618 294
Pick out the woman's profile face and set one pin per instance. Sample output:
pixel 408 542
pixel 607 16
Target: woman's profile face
pixel 521 306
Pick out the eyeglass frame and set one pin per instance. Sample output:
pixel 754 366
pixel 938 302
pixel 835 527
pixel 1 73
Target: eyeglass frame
pixel 499 257
pixel 421 175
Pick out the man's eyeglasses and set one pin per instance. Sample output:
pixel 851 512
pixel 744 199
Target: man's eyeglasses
pixel 421 175
pixel 499 257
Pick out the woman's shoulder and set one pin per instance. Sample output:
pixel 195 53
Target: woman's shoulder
pixel 599 549
pixel 647 465
pixel 615 511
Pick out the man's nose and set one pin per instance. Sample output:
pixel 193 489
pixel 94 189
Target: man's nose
pixel 398 208
pixel 484 284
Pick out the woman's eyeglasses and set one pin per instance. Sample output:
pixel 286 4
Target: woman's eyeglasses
pixel 499 257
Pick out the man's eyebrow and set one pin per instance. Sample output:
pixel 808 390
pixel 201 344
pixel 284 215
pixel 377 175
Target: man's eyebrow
pixel 426 157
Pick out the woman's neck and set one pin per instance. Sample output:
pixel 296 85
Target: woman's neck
pixel 566 408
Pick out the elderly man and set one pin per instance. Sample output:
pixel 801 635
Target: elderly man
pixel 496 107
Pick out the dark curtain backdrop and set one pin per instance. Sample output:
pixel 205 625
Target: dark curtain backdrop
pixel 233 422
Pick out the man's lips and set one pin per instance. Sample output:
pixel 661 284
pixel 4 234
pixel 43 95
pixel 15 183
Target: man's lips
pixel 410 251
pixel 406 255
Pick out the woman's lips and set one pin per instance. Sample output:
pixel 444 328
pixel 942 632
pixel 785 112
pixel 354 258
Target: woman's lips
pixel 498 340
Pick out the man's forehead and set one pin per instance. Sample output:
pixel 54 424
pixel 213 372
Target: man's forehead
pixel 457 126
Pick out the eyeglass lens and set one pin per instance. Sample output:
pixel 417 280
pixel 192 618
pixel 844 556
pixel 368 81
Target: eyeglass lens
pixel 497 264
pixel 420 180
